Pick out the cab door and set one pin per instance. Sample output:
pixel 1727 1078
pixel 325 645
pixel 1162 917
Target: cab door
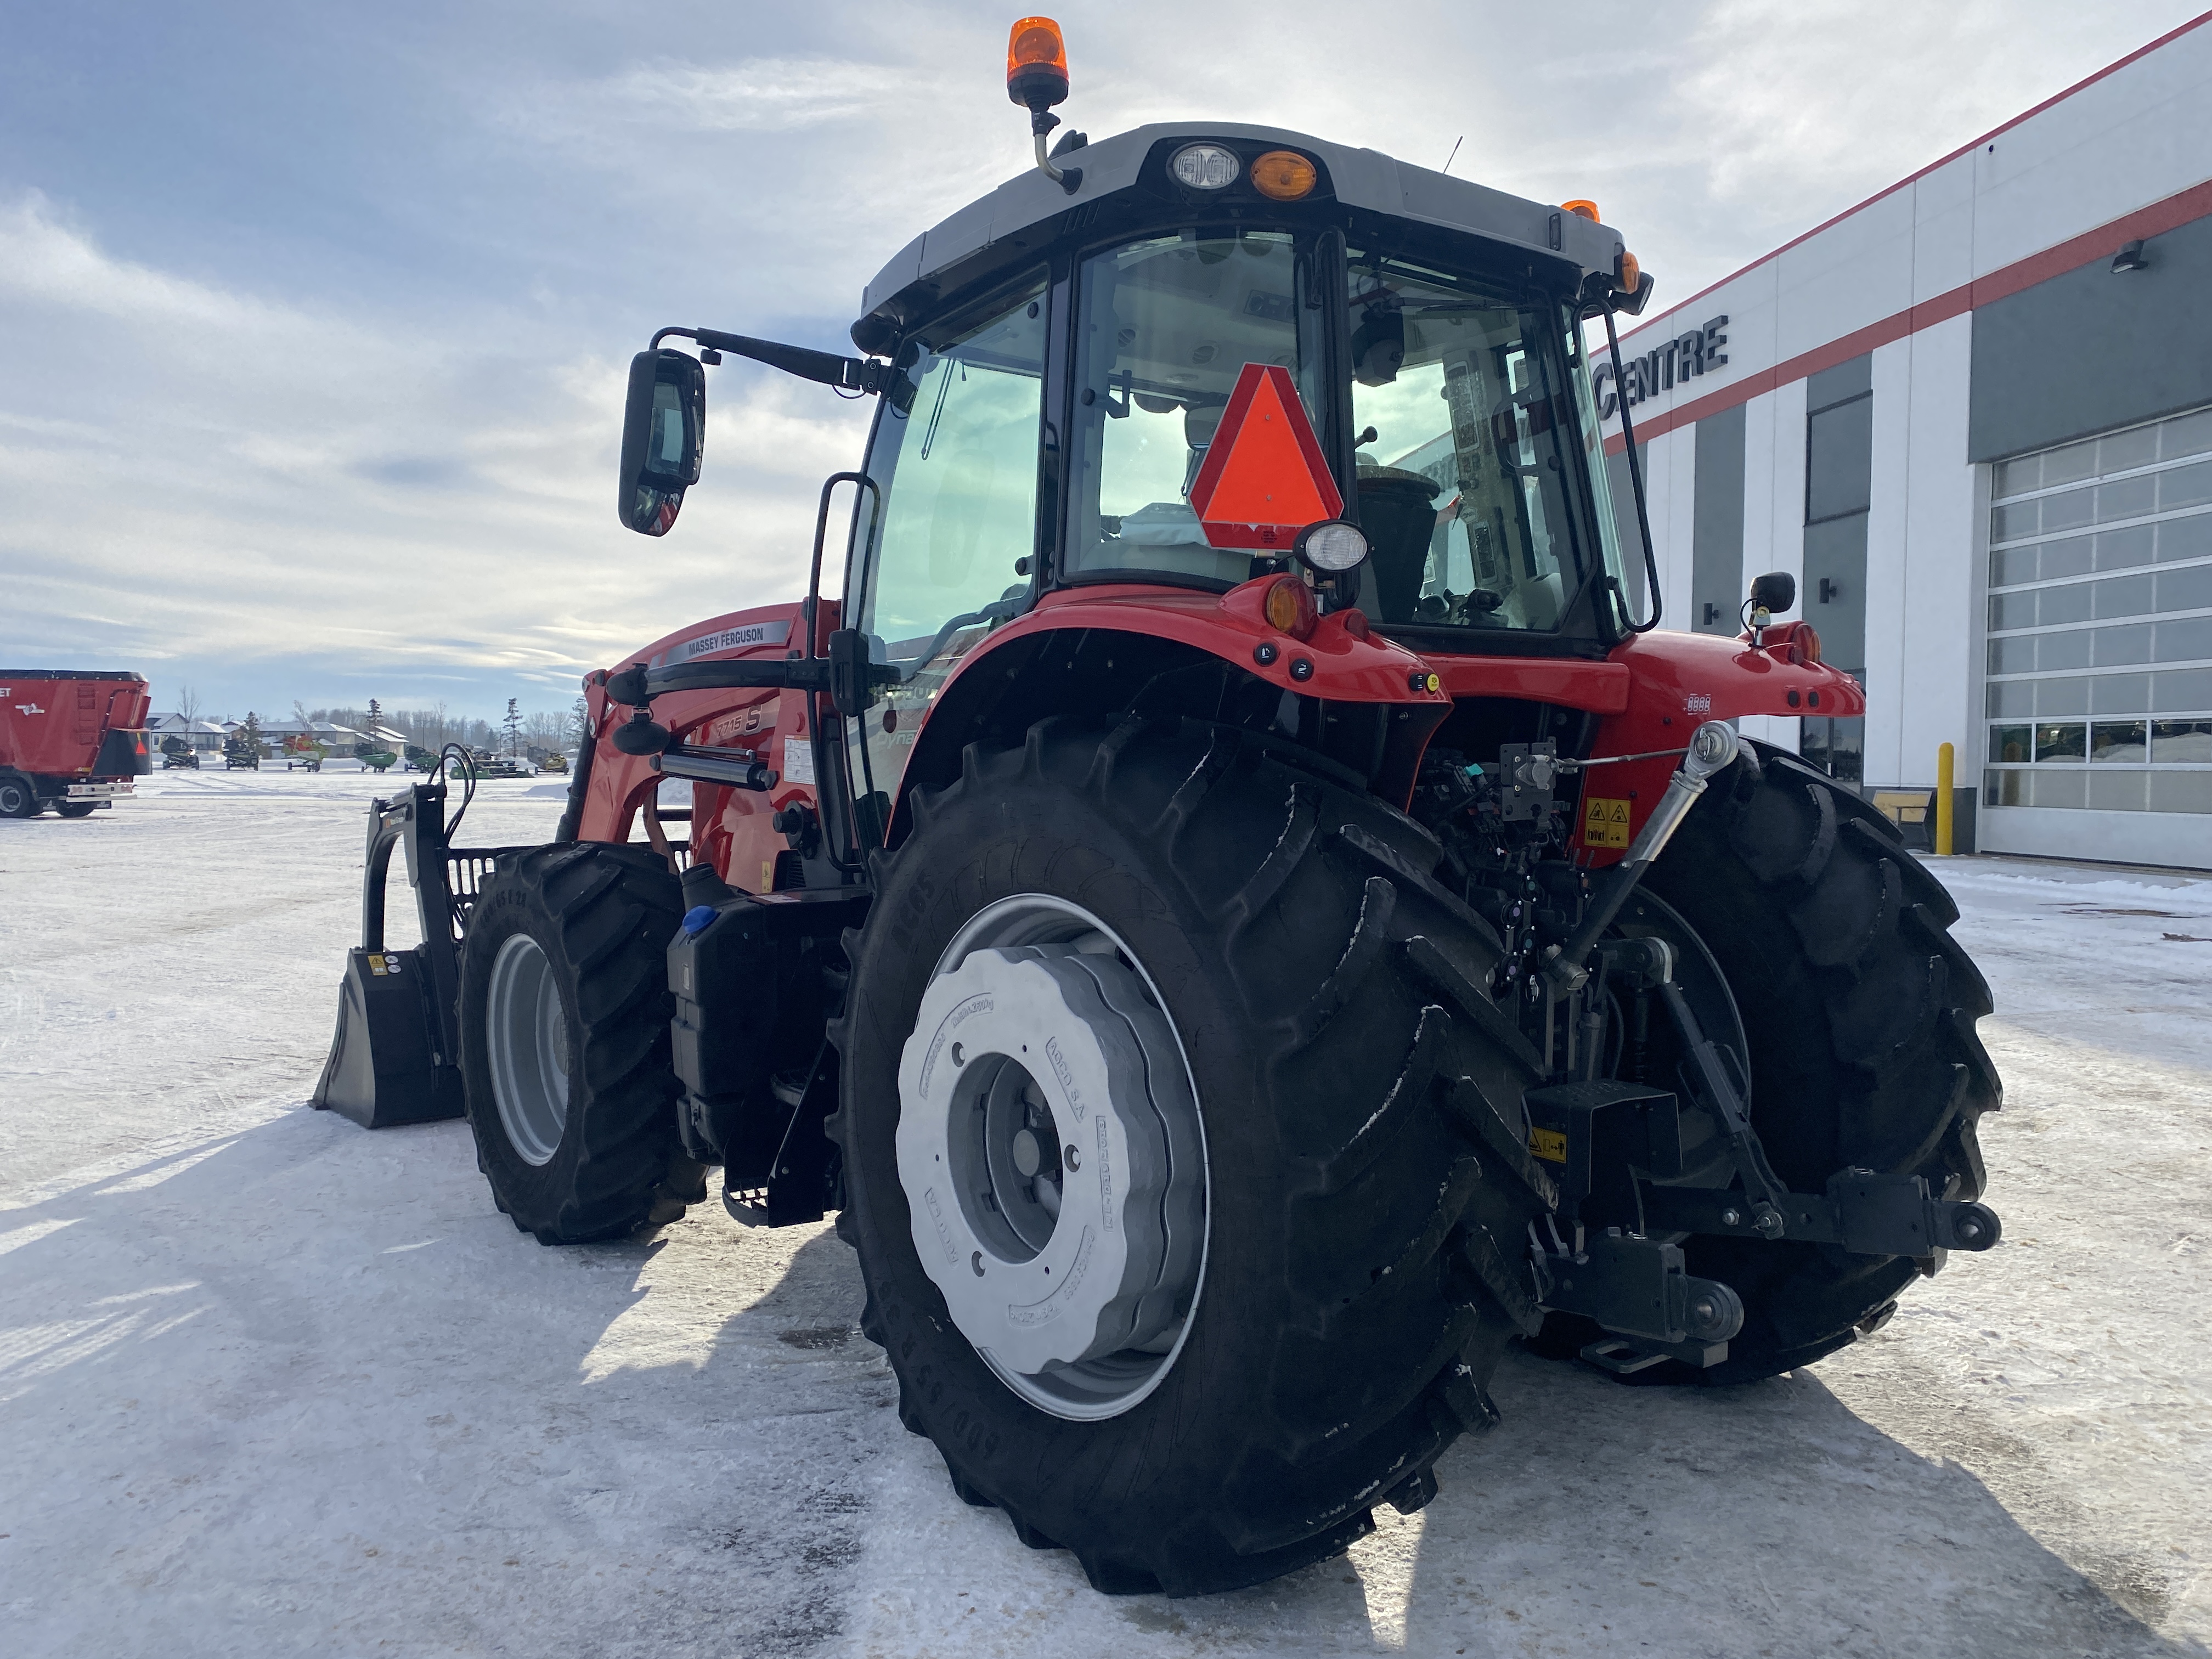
pixel 951 537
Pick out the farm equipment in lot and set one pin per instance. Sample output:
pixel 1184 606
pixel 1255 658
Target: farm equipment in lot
pixel 71 739
pixel 1225 903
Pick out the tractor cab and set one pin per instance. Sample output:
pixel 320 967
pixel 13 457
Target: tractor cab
pixel 1062 386
pixel 1171 364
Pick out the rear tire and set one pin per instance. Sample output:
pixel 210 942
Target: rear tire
pixel 1366 1201
pixel 565 1009
pixel 76 809
pixel 1860 1010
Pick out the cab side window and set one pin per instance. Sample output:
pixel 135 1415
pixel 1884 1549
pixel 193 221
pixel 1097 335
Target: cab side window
pixel 954 461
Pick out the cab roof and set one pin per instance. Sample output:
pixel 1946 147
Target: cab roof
pixel 1030 210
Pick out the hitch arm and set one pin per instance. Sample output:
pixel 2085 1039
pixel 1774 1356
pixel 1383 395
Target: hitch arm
pixel 1864 1213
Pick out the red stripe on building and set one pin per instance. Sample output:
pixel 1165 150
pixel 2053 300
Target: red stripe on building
pixel 2182 208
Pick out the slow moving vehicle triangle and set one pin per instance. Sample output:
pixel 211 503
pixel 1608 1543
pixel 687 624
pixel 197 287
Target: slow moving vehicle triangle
pixel 1263 479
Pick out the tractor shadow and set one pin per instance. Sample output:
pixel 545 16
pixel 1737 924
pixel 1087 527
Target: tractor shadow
pixel 1765 1518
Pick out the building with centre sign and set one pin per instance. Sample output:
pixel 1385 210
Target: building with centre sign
pixel 1973 416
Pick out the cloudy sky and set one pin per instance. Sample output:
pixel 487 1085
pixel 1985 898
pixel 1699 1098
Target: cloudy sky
pixel 313 318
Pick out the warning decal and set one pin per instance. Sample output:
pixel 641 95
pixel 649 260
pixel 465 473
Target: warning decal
pixel 1605 823
pixel 1549 1144
pixel 1263 479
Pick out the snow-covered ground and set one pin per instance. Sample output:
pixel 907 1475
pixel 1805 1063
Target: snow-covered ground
pixel 269 1384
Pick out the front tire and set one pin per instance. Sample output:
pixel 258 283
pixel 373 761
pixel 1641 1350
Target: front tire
pixel 1365 1205
pixel 17 798
pixel 564 1010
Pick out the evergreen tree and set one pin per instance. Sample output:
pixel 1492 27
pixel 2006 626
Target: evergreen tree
pixel 513 721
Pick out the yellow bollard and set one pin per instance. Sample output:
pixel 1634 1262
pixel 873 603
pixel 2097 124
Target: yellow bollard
pixel 1943 801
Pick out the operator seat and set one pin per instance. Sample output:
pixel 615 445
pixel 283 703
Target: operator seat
pixel 1397 510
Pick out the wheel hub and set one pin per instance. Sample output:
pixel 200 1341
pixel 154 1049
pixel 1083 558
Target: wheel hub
pixel 1050 1149
pixel 526 1041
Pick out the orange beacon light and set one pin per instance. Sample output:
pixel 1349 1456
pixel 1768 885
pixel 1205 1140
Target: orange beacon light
pixel 1037 63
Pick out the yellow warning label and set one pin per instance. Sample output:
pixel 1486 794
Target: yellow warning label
pixel 1549 1144
pixel 376 964
pixel 1605 823
pixel 767 877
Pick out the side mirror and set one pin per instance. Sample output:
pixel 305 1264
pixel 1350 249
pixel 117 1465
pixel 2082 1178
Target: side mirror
pixel 1777 591
pixel 664 432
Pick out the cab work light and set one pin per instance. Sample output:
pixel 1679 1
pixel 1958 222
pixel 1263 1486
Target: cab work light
pixel 1331 546
pixel 1283 175
pixel 1205 166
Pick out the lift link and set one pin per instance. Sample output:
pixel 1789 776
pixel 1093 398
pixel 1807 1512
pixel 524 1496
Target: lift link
pixel 1864 1213
pixel 1712 749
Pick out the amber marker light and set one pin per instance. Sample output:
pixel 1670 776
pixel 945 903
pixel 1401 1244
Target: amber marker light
pixel 1283 175
pixel 1632 273
pixel 1037 63
pixel 1289 606
pixel 1582 208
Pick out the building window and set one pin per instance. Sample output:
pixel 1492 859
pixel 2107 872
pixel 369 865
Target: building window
pixel 1838 488
pixel 2099 652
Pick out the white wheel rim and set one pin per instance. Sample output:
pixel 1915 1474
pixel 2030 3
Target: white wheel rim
pixel 527 1039
pixel 1076 1279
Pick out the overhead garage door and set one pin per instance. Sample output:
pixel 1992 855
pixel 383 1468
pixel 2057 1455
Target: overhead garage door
pixel 2100 648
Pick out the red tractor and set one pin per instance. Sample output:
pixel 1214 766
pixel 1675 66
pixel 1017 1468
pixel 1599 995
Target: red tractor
pixel 1229 908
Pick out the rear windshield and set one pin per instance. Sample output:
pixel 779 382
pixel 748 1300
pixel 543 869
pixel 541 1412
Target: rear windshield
pixel 1475 453
pixel 1476 434
pixel 1167 324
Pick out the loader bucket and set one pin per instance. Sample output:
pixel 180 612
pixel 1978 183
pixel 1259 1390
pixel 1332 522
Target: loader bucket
pixel 384 1066
pixel 394 1058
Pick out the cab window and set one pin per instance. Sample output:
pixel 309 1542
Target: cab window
pixel 1166 325
pixel 954 463
pixel 1468 427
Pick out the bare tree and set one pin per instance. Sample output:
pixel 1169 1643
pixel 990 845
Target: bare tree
pixel 188 705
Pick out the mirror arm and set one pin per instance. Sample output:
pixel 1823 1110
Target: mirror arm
pixel 825 367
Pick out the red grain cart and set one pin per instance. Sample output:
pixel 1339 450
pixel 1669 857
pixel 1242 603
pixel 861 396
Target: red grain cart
pixel 71 738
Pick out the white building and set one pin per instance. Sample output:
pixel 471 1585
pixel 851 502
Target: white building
pixel 1973 416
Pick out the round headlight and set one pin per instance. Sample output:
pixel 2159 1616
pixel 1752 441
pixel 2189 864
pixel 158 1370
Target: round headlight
pixel 1332 545
pixel 1205 166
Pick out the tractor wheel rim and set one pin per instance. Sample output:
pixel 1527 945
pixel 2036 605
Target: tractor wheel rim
pixel 527 1039
pixel 1053 1156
